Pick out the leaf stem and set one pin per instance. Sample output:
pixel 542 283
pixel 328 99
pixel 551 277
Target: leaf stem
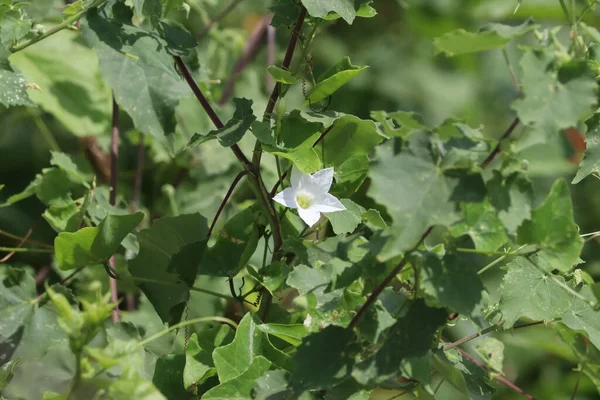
pixel 139 175
pixel 236 180
pixel 489 329
pixel 16 237
pixel 43 129
pixel 9 255
pixel 377 291
pixel 63 25
pixel 114 164
pixel 193 288
pixel 160 334
pixel 496 149
pixel 25 250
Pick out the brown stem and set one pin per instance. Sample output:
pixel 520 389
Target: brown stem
pixel 270 54
pixel 41 275
pixel 225 199
pixel 287 60
pixel 486 331
pixel 114 164
pixel 500 378
pixel 496 150
pixel 139 175
pixel 16 237
pixel 250 50
pixel 377 291
pixel 62 282
pixel 9 255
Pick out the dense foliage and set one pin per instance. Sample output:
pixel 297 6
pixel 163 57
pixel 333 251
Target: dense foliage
pixel 143 143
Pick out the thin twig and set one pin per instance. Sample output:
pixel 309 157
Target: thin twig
pixel 62 282
pixel 139 175
pixel 576 388
pixel 500 378
pixel 270 54
pixel 16 237
pixel 9 255
pixel 377 291
pixel 496 150
pixel 255 40
pixel 114 164
pixel 218 18
pixel 41 275
pixel 236 180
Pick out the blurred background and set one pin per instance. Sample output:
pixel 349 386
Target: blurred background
pixel 74 108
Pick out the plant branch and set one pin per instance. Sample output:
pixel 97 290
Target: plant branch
pixel 496 149
pixel 377 291
pixel 62 282
pixel 160 334
pixel 16 237
pixel 287 60
pixel 193 288
pixel 487 330
pixel 139 175
pixel 500 378
pixel 25 250
pixel 236 180
pixel 114 164
pixel 63 25
pixel 9 255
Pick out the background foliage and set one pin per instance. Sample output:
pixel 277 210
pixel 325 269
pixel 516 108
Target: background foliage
pixel 464 139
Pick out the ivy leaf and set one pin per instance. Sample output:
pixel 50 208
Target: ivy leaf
pixel 350 175
pixel 319 9
pixel 293 334
pixel 321 361
pixel 263 132
pixel 7 371
pixel 492 352
pixel 482 224
pixel 17 289
pixel 405 339
pixel 491 36
pixel 346 221
pixel 12 84
pixel 364 11
pixel 151 9
pixel 234 129
pixel 415 193
pixel 65 163
pixel 272 385
pixel 512 197
pixel 282 75
pixel 453 283
pixel 527 290
pixel 297 137
pixel 407 123
pixel 235 245
pixel 70 86
pixel 235 358
pixel 179 41
pixel 272 276
pixel 167 378
pixel 348 137
pixel 199 365
pixel 560 247
pixel 375 321
pixel 166 265
pixel 333 79
pixel 240 386
pixel 589 164
pixel 580 316
pixel 547 91
pixel 13 27
pixel 94 245
pixel 136 65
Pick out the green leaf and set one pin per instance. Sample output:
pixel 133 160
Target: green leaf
pixel 528 291
pixel 166 265
pixel 589 165
pixel 12 83
pixel 235 358
pixel 350 175
pixel 375 322
pixel 65 163
pixel 179 41
pixel 405 339
pixel 167 377
pixel 199 365
pixel 7 371
pixel 491 36
pixel 235 244
pixel 13 27
pixel 482 224
pixel 512 197
pixel 151 9
pixel 348 137
pixel 272 385
pixel 319 9
pixel 72 9
pixel 415 193
pixel 560 248
pixel 492 352
pixel 240 386
pixel 348 220
pixel 453 283
pixel 333 79
pixel 272 276
pixel 321 361
pixel 70 86
pixel 580 316
pixel 234 129
pixel 373 218
pixel 94 245
pixel 405 123
pixel 263 132
pixel 17 289
pixel 136 65
pixel 365 11
pixel 548 91
pixel 297 137
pixel 282 75
pixel 293 334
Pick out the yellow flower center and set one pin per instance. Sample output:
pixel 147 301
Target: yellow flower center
pixel 304 200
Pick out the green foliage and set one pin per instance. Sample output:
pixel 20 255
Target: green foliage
pixel 332 79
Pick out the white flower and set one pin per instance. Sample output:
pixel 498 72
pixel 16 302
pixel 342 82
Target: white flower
pixel 309 194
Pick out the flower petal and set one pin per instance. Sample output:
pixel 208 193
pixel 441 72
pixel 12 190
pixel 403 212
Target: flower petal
pixel 309 215
pixel 328 203
pixel 322 180
pixel 296 176
pixel 287 197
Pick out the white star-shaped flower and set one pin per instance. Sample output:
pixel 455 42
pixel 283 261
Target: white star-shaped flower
pixel 309 194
